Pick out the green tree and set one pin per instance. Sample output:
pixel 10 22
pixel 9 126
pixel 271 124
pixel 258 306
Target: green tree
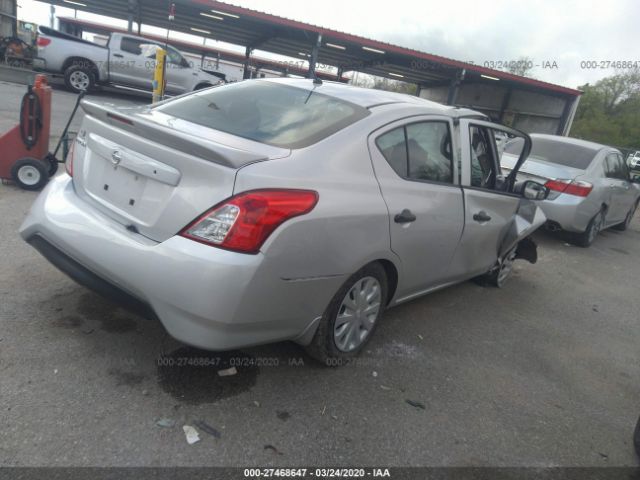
pixel 609 111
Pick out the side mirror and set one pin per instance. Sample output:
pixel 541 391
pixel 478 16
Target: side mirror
pixel 635 178
pixel 532 190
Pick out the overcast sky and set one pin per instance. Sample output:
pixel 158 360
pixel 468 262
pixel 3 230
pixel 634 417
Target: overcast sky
pixel 565 32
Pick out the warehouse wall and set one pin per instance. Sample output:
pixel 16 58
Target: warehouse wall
pixel 525 110
pixel 8 12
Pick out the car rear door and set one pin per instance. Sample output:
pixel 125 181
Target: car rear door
pixel 490 213
pixel 413 163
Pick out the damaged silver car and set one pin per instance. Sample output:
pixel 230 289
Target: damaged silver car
pixel 286 209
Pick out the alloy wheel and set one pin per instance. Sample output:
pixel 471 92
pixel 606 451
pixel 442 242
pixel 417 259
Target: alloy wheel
pixel 357 314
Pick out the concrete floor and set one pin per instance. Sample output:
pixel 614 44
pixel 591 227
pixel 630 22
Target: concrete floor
pixel 544 372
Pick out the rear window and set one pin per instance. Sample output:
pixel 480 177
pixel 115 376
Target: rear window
pixel 267 112
pixel 569 155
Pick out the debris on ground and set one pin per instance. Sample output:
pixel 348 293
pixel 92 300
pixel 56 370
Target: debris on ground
pixel 206 428
pixel 166 422
pixel 324 409
pixel 420 337
pixel 283 415
pixel 375 374
pixel 256 403
pixel 191 434
pixel 595 308
pixel 145 392
pixel 55 371
pixel 227 372
pixel 413 403
pixel 384 387
pixel 335 417
pixel 87 331
pixel 273 449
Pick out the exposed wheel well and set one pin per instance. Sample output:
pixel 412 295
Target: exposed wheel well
pixel 81 61
pixel 200 86
pixel 392 277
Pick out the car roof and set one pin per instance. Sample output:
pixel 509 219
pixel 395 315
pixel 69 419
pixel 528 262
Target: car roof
pixel 370 98
pixel 572 141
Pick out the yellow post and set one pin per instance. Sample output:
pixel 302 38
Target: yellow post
pixel 158 76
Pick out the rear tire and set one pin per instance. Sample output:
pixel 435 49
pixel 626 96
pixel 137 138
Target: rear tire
pixel 30 174
pixel 80 77
pixel 586 238
pixel 346 327
pixel 627 221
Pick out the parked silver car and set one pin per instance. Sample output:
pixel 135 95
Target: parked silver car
pixel 283 209
pixel 633 160
pixel 591 187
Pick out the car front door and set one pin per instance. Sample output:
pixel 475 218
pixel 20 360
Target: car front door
pixel 489 211
pixel 127 62
pixel 180 75
pixel 413 163
pixel 621 193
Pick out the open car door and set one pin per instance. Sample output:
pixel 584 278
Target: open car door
pixel 499 212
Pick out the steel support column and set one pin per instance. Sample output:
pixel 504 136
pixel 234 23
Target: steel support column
pixel 314 57
pixel 247 57
pixel 454 87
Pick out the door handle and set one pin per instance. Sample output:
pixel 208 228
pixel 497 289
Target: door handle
pixel 117 55
pixel 481 217
pixel 405 217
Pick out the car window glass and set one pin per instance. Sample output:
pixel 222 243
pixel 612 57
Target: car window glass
pixel 148 50
pixel 267 112
pixel 429 148
pixel 174 56
pixel 613 167
pixel 394 149
pixel 483 172
pixel 624 170
pixel 131 45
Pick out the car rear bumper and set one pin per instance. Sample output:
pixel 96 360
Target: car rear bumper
pixel 204 296
pixel 569 212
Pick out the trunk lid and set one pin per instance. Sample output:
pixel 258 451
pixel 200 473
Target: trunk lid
pixel 153 173
pixel 539 170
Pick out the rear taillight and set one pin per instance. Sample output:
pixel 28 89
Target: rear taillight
pixel 571 187
pixel 68 164
pixel 243 222
pixel 43 42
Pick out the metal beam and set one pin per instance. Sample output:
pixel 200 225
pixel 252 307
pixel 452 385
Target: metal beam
pixel 454 87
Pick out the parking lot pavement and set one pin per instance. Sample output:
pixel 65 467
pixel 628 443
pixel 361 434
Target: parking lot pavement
pixel 544 372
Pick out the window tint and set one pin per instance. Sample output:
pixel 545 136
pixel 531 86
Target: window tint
pixel 483 170
pixel 429 145
pixel 615 167
pixel 394 148
pixel 267 112
pixel 555 151
pixel 131 45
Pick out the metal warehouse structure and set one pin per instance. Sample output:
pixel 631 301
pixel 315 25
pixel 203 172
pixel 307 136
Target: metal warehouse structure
pixel 525 103
pixel 77 27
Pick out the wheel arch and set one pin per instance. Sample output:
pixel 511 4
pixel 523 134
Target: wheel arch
pixel 81 60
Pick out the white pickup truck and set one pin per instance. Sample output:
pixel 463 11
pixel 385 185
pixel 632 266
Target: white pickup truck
pixel 127 60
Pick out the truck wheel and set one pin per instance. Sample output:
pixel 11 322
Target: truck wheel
pixel 351 317
pixel 79 78
pixel 586 238
pixel 30 174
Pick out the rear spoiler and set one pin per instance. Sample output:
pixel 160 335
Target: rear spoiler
pixel 126 119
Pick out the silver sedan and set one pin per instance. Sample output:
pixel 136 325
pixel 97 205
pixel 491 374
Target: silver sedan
pixel 590 185
pixel 272 210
